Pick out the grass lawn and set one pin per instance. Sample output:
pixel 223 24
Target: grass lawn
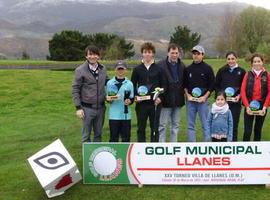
pixel 36 108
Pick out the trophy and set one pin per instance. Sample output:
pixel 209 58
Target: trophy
pixel 112 93
pixel 142 94
pixel 255 108
pixel 230 92
pixel 196 93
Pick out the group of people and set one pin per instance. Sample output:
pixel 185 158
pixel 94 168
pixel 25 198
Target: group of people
pixel 161 89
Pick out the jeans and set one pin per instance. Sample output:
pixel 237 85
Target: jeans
pixel 192 109
pixel 171 115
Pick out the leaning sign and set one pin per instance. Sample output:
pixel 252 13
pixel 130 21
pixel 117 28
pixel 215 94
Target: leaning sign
pixel 177 163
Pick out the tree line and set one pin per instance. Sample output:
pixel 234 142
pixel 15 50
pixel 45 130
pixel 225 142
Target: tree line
pixel 246 32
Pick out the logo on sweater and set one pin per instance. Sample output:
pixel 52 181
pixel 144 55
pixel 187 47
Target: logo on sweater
pixel 104 164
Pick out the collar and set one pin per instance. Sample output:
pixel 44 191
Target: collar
pixel 258 73
pixel 93 67
pixel 148 65
pixel 233 67
pixel 114 79
pixel 169 60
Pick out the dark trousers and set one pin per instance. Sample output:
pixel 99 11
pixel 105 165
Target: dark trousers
pixel 120 128
pixel 248 124
pixel 219 140
pixel 236 111
pixel 145 110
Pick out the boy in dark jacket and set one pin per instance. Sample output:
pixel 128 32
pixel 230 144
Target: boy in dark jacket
pixel 147 75
pixel 199 82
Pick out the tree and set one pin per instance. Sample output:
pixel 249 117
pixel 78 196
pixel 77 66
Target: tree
pixel 112 46
pixel 70 45
pixel 184 38
pixel 226 40
pixel 253 28
pixel 25 55
pixel 67 46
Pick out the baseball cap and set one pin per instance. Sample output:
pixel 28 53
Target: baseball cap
pixel 120 64
pixel 198 48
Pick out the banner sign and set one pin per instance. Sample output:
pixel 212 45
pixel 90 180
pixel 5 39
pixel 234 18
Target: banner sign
pixel 177 163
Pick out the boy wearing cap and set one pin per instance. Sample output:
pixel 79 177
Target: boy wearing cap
pixel 88 91
pixel 119 111
pixel 198 75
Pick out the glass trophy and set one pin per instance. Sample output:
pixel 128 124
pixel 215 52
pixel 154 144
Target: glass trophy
pixel 255 108
pixel 196 93
pixel 230 92
pixel 112 93
pixel 142 94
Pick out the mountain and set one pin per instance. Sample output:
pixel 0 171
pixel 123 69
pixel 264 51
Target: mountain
pixel 138 21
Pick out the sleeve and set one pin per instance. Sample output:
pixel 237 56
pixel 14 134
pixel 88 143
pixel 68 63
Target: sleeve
pixel 218 80
pixel 162 82
pixel 76 89
pixel 230 126
pixel 211 80
pixel 267 100
pixel 208 126
pixel 243 93
pixel 134 81
pixel 185 79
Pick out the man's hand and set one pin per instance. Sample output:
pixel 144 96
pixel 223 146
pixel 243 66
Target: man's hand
pixel 203 99
pixel 157 101
pixel 80 113
pixel 189 97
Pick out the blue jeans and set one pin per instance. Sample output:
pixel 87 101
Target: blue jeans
pixel 171 115
pixel 192 109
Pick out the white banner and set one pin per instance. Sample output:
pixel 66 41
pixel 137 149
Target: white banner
pixel 177 163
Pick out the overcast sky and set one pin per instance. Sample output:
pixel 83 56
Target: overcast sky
pixel 261 3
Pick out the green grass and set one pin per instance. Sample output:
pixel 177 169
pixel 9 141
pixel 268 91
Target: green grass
pixel 36 108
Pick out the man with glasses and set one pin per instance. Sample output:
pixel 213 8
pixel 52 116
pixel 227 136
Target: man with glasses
pixel 199 82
